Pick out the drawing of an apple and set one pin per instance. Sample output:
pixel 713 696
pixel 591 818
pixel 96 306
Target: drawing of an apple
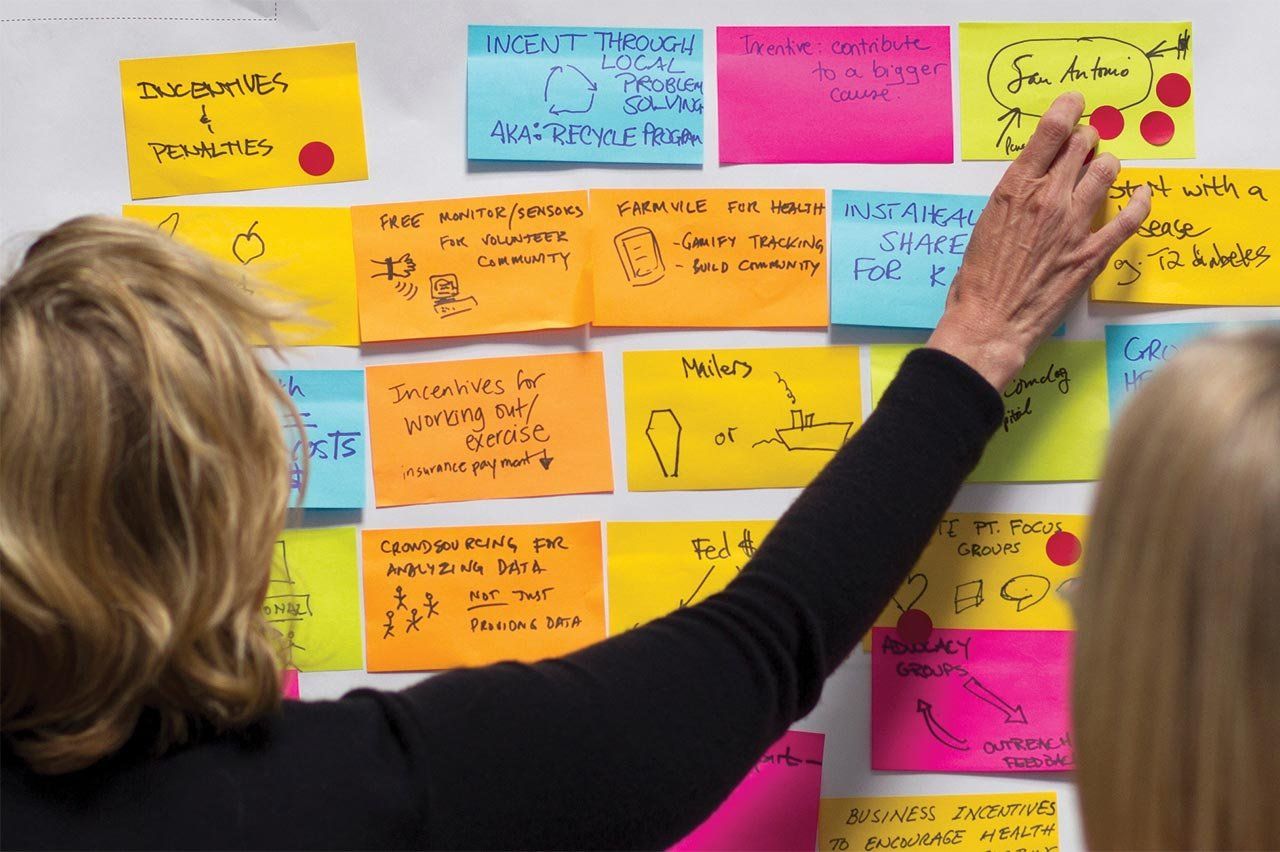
pixel 248 247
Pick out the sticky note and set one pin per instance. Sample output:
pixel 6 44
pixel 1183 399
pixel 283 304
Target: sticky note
pixel 893 254
pixel 1056 419
pixel 834 94
pixel 710 257
pixel 993 822
pixel 258 118
pixel 466 596
pixel 995 570
pixel 737 418
pixel 330 404
pixel 472 265
pixel 303 251
pixel 524 426
pixel 656 567
pixel 1135 352
pixel 584 94
pixel 289 684
pixel 313 598
pixel 1210 239
pixel 1135 77
pixel 774 808
pixel 971 701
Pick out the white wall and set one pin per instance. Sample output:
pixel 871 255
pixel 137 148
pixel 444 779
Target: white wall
pixel 61 154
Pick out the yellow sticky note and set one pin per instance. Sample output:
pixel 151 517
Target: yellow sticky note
pixel 997 571
pixel 473 265
pixel 985 822
pixel 1210 239
pixel 466 596
pixel 225 121
pixel 751 258
pixel 737 418
pixel 305 251
pixel 313 598
pixel 1056 419
pixel 1135 77
pixel 656 567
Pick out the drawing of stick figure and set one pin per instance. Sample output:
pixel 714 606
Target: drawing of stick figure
pixel 432 605
pixel 414 620
pixel 390 625
pixel 289 637
pixel 400 596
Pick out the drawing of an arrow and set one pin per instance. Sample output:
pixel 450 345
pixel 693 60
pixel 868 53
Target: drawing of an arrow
pixel 1158 50
pixel 1013 114
pixel 941 734
pixel 590 88
pixel 543 459
pixel 1011 714
pixel 684 602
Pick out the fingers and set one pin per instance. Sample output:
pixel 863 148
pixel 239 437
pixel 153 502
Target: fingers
pixel 1081 142
pixel 1112 235
pixel 1096 182
pixel 1050 134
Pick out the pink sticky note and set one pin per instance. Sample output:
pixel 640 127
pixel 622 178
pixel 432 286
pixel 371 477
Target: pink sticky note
pixel 971 701
pixel 834 94
pixel 775 807
pixel 289 683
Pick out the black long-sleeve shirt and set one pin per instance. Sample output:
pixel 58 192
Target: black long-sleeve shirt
pixel 628 743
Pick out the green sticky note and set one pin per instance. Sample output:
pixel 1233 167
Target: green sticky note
pixel 313 598
pixel 1056 418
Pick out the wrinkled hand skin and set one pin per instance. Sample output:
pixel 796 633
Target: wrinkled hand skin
pixel 1033 251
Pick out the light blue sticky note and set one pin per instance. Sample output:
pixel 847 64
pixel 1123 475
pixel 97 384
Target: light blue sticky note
pixel 1134 352
pixel 584 94
pixel 331 403
pixel 893 254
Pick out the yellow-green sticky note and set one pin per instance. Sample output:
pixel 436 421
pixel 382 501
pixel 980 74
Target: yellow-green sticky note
pixel 313 598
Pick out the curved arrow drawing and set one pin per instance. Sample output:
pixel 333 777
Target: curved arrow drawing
pixel 1011 714
pixel 590 87
pixel 941 734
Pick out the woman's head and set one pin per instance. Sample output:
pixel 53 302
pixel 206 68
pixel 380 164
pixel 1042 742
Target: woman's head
pixel 1177 683
pixel 142 489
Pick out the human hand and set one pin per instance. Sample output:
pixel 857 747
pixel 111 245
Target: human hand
pixel 1033 251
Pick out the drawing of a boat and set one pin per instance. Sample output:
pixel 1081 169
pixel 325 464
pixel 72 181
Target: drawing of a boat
pixel 804 434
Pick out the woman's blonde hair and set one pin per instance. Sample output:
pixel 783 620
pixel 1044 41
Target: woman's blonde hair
pixel 143 485
pixel 1177 681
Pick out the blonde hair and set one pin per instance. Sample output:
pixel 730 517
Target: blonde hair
pixel 1177 682
pixel 142 489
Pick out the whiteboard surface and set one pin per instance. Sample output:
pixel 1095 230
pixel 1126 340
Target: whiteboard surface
pixel 62 154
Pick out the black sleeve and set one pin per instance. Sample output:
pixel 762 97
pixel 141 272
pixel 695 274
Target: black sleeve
pixel 635 740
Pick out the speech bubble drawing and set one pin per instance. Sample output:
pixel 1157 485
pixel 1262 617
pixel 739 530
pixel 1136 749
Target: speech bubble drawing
pixel 1025 77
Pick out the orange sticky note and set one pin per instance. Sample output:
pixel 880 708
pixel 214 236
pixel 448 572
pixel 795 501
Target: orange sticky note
pixel 472 265
pixel 494 427
pixel 468 596
pixel 710 257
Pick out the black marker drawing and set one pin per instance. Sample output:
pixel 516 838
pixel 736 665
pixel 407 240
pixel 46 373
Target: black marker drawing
pixel 568 93
pixel 684 602
pixel 939 733
pixel 543 458
pixel 280 565
pixel 286 607
pixel 169 223
pixel 248 247
pixel 1025 590
pixel 400 598
pixel 432 605
pixel 786 387
pixel 1012 715
pixel 446 296
pixel 804 434
pixel 1120 264
pixel 390 625
pixel 640 256
pixel 908 586
pixel 414 620
pixel 205 119
pixel 968 596
pixel 290 638
pixel 664 432
pixel 394 267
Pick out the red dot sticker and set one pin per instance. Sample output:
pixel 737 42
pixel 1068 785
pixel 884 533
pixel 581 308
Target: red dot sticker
pixel 915 625
pixel 315 158
pixel 1108 121
pixel 1063 548
pixel 1173 90
pixel 1157 128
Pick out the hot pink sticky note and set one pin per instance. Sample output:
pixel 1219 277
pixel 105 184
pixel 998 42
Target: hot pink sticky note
pixel 834 94
pixel 971 701
pixel 289 684
pixel 775 807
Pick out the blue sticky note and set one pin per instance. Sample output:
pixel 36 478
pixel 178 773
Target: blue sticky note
pixel 893 254
pixel 1134 352
pixel 584 94
pixel 331 404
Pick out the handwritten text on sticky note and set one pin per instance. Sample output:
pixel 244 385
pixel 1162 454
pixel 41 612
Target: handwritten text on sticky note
pixel 709 257
pixel 737 418
pixel 226 121
pixel 993 822
pixel 332 445
pixel 971 701
pixel 493 427
pixel 472 265
pixel 464 596
pixel 584 94
pixel 834 94
pixel 313 598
